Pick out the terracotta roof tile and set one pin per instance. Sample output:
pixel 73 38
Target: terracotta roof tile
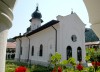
pixel 11 44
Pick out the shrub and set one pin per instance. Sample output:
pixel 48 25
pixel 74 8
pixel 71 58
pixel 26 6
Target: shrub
pixel 38 68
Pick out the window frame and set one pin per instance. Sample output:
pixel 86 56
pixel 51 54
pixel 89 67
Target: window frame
pixel 32 51
pixel 68 52
pixel 79 55
pixel 41 50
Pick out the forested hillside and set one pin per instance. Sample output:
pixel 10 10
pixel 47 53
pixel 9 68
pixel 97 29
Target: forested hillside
pixel 90 36
pixel 10 40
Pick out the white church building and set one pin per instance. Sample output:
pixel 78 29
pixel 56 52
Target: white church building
pixel 66 35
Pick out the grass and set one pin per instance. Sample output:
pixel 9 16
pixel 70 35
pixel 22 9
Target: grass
pixel 11 66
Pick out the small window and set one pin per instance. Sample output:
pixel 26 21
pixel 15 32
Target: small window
pixel 41 50
pixel 69 52
pixel 74 38
pixel 32 51
pixel 79 54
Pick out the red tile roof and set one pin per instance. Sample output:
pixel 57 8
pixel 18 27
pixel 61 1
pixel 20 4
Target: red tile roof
pixel 11 44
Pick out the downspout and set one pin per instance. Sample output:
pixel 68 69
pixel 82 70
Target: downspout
pixel 55 38
pixel 28 49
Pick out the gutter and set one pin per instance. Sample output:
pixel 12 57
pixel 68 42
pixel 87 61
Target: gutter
pixel 55 38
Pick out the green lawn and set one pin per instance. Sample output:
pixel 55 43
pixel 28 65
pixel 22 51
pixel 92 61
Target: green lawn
pixel 11 66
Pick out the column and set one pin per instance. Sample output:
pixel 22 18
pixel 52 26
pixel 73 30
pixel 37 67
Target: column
pixel 3 43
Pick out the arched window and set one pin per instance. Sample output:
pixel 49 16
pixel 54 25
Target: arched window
pixel 8 56
pixel 69 52
pixel 41 50
pixel 32 51
pixel 12 56
pixel 79 54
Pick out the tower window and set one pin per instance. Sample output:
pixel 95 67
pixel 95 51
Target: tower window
pixel 32 51
pixel 41 50
pixel 79 54
pixel 69 52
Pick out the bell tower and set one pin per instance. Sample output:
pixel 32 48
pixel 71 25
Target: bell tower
pixel 36 19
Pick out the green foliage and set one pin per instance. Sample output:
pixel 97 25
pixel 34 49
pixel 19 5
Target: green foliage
pixel 72 61
pixel 11 66
pixel 55 59
pixel 38 68
pixel 87 58
pixel 64 62
pixel 92 54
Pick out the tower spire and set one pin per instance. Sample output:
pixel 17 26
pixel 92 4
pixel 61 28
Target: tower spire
pixel 72 11
pixel 37 6
pixel 36 14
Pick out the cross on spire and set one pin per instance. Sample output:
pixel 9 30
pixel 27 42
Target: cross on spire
pixel 72 11
pixel 37 6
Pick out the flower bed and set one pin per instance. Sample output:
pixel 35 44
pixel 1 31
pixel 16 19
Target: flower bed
pixel 12 66
pixel 61 66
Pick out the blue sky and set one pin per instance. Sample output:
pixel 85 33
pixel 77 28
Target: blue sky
pixel 49 10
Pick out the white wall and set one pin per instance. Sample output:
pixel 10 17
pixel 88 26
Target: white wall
pixel 17 49
pixel 25 48
pixel 35 24
pixel 72 25
pixel 46 38
pixel 68 26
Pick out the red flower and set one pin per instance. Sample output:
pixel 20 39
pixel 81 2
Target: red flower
pixel 79 67
pixel 59 69
pixel 54 70
pixel 98 63
pixel 94 63
pixel 20 69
